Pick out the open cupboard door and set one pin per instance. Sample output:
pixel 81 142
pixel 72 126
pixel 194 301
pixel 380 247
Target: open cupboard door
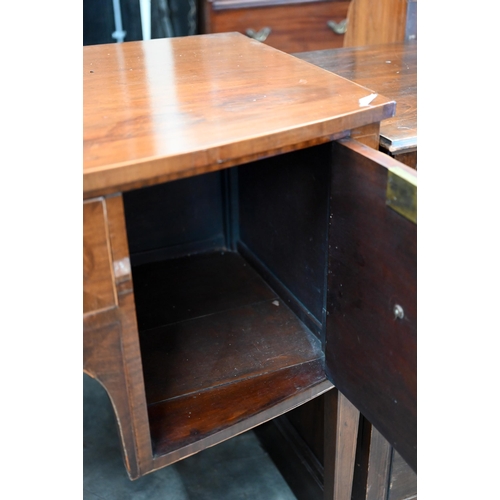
pixel 371 326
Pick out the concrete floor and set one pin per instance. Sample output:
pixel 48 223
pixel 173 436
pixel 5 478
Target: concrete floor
pixel 236 469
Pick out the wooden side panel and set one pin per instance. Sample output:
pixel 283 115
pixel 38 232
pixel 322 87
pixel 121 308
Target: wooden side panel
pixel 98 287
pixel 372 23
pixel 111 345
pixel 369 135
pixel 370 353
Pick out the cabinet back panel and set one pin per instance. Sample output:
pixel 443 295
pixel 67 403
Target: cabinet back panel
pixel 191 287
pixel 283 212
pixel 175 218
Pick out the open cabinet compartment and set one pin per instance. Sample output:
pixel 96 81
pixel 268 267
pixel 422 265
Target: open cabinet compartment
pixel 229 273
pixel 256 232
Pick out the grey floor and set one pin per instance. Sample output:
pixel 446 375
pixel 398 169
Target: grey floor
pixel 236 469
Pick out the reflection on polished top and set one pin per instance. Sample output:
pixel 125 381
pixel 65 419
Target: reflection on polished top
pixel 170 108
pixel 391 70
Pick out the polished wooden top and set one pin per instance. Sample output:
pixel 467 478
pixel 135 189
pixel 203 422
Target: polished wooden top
pixel 389 69
pixel 164 109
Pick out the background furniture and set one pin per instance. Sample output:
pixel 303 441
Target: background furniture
pixel 140 19
pixel 309 25
pixel 383 21
pixel 390 70
pixel 166 12
pixel 291 26
pixel 213 296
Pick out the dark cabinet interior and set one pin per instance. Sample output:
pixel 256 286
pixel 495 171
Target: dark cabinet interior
pixel 229 283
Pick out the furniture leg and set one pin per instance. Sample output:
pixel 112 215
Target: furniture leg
pixel 111 352
pixel 379 462
pixel 341 432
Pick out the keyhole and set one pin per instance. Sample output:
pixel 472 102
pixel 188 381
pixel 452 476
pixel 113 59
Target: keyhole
pixel 399 312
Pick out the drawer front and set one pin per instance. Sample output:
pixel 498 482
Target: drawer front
pixel 293 28
pixel 98 287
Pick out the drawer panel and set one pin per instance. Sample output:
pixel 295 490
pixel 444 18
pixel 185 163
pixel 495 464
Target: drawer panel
pixel 98 286
pixel 293 28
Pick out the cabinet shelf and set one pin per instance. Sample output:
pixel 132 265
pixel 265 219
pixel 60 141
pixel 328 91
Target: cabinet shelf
pixel 218 346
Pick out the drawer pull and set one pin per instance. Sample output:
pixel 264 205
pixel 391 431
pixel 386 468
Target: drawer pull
pixel 338 28
pixel 260 36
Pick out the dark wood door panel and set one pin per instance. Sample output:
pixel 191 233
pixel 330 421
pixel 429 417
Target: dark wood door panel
pixel 371 336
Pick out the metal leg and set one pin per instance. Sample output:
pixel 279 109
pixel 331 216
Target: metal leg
pixel 145 6
pixel 118 34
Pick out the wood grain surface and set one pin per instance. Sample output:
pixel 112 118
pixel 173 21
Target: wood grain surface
pixel 217 344
pixel 223 348
pixel 372 23
pixel 387 69
pixel 164 109
pixel 371 355
pixel 167 109
pixel 179 422
pixel 111 352
pixel 341 432
pixel 98 285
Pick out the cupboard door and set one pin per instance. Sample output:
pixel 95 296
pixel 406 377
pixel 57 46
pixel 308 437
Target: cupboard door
pixel 371 326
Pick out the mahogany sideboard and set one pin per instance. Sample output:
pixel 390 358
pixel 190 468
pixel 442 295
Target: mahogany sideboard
pixel 245 250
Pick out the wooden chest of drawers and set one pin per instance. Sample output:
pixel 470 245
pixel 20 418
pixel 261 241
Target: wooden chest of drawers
pixel 291 26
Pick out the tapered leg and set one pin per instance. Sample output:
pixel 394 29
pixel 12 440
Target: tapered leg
pixel 378 466
pixel 341 432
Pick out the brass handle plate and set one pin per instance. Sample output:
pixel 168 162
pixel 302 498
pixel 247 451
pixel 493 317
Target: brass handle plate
pixel 260 36
pixel 401 193
pixel 339 28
